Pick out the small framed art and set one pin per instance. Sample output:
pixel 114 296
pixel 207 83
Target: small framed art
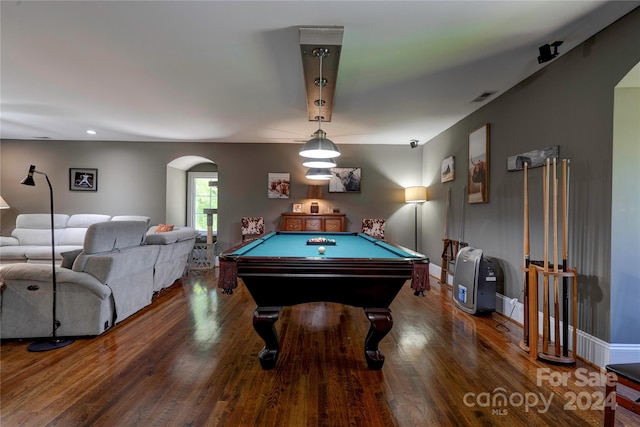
pixel 297 207
pixel 448 169
pixel 83 179
pixel 278 186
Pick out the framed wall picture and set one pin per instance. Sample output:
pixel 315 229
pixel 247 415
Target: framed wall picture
pixel 478 180
pixel 278 186
pixel 447 169
pixel 345 180
pixel 83 179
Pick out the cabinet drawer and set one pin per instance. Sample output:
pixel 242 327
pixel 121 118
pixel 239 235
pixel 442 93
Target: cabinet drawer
pixel 313 224
pixel 333 224
pixel 297 221
pixel 293 224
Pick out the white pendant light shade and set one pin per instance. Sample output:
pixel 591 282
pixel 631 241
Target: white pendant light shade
pixel 319 163
pixel 319 147
pixel 318 174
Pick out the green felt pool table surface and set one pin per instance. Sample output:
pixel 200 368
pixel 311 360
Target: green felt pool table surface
pixel 347 245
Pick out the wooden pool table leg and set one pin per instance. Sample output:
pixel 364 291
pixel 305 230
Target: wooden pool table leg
pixel 381 323
pixel 264 319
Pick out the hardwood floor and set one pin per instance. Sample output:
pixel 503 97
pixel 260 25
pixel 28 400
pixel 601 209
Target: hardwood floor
pixel 190 359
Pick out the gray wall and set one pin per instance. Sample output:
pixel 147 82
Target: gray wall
pixel 132 179
pixel 567 103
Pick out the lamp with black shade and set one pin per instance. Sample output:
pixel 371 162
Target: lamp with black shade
pixel 53 342
pixel 415 195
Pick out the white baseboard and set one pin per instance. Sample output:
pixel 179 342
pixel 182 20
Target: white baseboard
pixel 592 349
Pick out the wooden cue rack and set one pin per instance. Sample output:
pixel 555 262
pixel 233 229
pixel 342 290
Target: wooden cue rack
pixel 451 247
pixel 556 354
pixel 449 253
pixel 554 348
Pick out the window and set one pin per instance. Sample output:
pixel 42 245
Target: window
pixel 203 194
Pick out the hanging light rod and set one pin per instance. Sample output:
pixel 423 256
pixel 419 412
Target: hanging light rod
pixel 319 147
pixel 320 46
pixel 311 39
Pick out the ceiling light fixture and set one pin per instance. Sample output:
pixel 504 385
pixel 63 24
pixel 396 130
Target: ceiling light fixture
pixel 320 163
pixel 318 174
pixel 319 147
pixel 91 132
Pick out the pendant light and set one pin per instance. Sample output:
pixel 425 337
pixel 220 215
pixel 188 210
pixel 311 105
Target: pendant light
pixel 319 163
pixel 318 174
pixel 319 147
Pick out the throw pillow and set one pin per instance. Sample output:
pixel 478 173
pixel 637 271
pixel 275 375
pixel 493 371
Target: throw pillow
pixel 163 228
pixel 69 257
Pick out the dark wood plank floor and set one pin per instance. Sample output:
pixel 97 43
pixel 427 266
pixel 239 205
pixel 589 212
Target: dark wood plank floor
pixel 190 359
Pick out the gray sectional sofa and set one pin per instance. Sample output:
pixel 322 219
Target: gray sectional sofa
pixel 114 274
pixel 30 241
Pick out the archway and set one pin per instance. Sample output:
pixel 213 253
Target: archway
pixel 176 193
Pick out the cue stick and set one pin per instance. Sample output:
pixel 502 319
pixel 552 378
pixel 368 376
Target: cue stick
pixel 461 238
pixel 545 265
pixel 556 303
pixel 526 255
pixel 565 265
pixel 447 243
pixel 446 215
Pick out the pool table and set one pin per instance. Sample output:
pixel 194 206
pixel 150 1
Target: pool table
pixel 288 268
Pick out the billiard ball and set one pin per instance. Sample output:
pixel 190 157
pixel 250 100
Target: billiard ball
pixel 321 249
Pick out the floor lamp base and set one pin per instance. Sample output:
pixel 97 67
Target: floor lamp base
pixel 51 344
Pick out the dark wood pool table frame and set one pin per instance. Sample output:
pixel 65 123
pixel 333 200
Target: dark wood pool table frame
pixel 370 283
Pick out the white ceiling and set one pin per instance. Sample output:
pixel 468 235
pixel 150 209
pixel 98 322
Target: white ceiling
pixel 231 71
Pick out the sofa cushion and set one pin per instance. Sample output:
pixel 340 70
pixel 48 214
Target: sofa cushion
pixel 114 235
pixel 14 253
pixel 72 236
pixel 41 221
pixel 35 229
pixel 43 253
pixel 69 257
pixel 9 241
pixel 161 238
pixel 36 236
pixel 178 234
pixel 77 228
pixel 146 219
pixel 85 220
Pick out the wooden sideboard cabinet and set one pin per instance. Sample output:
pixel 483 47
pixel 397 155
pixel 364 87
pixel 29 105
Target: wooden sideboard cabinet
pixel 293 221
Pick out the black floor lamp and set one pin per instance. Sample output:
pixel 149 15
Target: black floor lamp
pixel 54 342
pixel 415 195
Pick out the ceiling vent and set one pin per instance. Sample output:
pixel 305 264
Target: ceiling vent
pixel 312 39
pixel 483 96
